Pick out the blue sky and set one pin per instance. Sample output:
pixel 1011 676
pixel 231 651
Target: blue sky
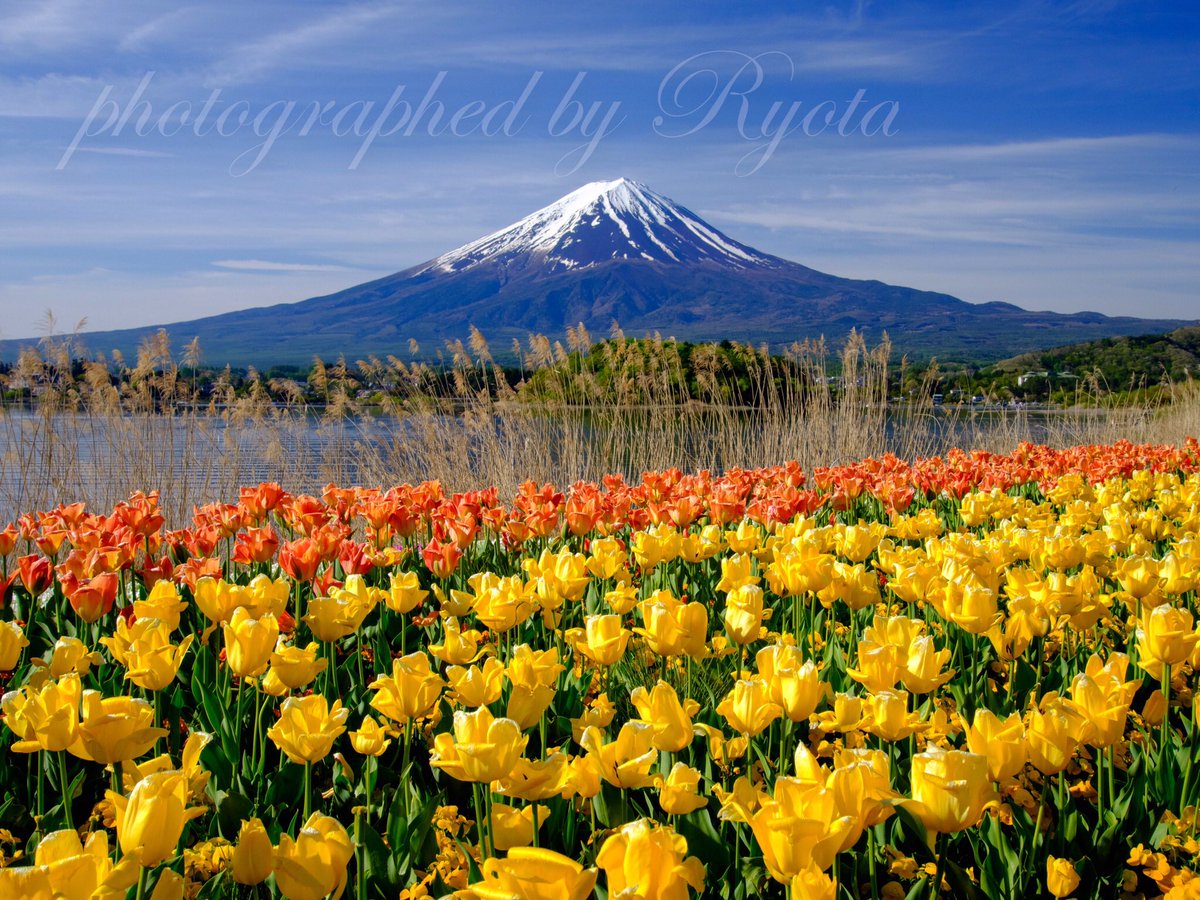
pixel 1043 153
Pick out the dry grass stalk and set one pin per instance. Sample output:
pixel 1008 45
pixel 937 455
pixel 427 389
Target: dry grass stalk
pixel 110 428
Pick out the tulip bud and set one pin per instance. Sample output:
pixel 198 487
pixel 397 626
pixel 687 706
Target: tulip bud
pixel 250 642
pixel 1061 877
pixel 371 739
pixel 254 857
pixel 151 819
pixel 12 642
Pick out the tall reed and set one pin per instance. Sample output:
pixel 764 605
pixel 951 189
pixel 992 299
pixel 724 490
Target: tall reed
pixel 98 430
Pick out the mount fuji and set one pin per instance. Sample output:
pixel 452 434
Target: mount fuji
pixel 616 251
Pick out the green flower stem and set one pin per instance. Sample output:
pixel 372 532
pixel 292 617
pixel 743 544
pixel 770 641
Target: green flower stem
pixel 360 883
pixel 65 786
pixel 940 847
pixel 307 790
pixel 1165 727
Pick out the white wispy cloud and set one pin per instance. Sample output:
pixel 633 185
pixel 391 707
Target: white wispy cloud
pixel 126 151
pixel 295 45
pixel 263 265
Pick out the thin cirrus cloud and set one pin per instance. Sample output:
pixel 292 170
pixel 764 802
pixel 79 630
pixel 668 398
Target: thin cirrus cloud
pixel 263 265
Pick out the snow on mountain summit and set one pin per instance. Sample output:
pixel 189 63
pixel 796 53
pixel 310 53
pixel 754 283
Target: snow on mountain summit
pixel 600 222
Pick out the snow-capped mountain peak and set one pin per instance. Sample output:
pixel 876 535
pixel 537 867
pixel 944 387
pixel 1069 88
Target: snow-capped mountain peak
pixel 600 222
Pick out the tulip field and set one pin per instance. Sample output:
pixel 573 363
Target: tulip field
pixel 969 676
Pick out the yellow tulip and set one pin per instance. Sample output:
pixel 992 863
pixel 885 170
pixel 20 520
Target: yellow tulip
pixel 196 777
pixel 696 547
pixel 795 683
pixel 332 618
pixel 679 794
pixel 798 827
pixel 217 599
pixel 152 660
pixel 313 865
pixel 536 779
pixel 607 558
pixel 583 778
pixel 737 570
pixel 481 748
pixel 371 739
pixel 923 670
pixel 500 604
pixel 799 568
pixel 741 802
pixel 151 819
pixel 45 718
pixel 527 703
pixel 748 706
pixel 533 675
pixel 1104 708
pixel 674 628
pixel 602 639
pixel 168 887
pixel 649 861
pixel 1165 637
pixel 622 599
pixel 627 761
pixel 533 668
pixel 556 578
pixel 253 857
pixel 410 692
pixel 723 751
pixel 1139 576
pixel 599 712
pixel 307 727
pixel 66 869
pixel 878 666
pixel 115 729
pixel 744 538
pixel 72 655
pixel 535 874
pixel 162 603
pixel 266 597
pixel 856 586
pixel 250 643
pixel 743 614
pixel 404 593
pixel 657 544
pixel 1001 741
pixel 950 789
pixel 1061 877
pixel 12 642
pixel 861 787
pixel 670 720
pixel 812 884
pixel 294 667
pixel 513 826
pixel 458 647
pixel 888 716
pixel 1053 734
pixel 478 685
pixel 972 607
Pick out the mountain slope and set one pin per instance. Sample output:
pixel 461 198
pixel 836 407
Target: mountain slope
pixel 618 251
pixel 1120 361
